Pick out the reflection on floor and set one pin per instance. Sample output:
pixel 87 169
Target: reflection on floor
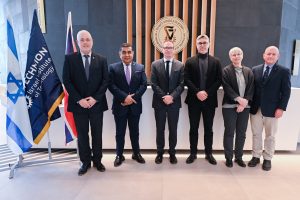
pixel 134 181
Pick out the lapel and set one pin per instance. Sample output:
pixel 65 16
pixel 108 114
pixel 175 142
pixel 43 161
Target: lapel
pixel 81 66
pixel 260 73
pixel 133 69
pixel 233 75
pixel 209 68
pixel 122 72
pixel 162 70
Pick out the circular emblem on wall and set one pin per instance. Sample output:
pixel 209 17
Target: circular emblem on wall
pixel 170 28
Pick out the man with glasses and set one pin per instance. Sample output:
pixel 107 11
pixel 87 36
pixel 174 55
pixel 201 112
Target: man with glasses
pixel 128 83
pixel 167 82
pixel 202 75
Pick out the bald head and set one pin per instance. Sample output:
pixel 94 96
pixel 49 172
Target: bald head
pixel 84 41
pixel 271 55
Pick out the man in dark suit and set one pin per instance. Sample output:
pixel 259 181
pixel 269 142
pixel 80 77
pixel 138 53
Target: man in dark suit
pixel 85 77
pixel 167 82
pixel 128 83
pixel 270 100
pixel 203 77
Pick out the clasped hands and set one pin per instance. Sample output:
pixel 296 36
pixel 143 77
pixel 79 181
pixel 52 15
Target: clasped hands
pixel 202 95
pixel 242 104
pixel 167 99
pixel 128 100
pixel 87 102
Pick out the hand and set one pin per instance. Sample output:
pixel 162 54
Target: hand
pixel 91 101
pixel 84 103
pixel 240 108
pixel 167 99
pixel 278 113
pixel 243 102
pixel 202 95
pixel 129 100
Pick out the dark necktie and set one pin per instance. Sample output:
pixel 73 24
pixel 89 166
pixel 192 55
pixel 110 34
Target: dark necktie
pixel 167 73
pixel 266 73
pixel 127 74
pixel 87 66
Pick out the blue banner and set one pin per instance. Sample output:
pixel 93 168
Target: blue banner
pixel 43 88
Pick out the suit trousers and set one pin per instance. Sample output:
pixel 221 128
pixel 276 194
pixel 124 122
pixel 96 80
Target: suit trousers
pixel 172 114
pixel 83 121
pixel 258 122
pixel 237 123
pixel 195 110
pixel 121 124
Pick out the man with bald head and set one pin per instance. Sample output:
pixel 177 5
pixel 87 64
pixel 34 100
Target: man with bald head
pixel 270 100
pixel 85 77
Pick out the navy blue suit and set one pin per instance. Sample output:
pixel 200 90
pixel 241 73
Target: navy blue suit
pixel 121 89
pixel 273 93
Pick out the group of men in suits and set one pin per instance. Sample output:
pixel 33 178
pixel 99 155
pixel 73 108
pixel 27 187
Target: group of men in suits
pixel 86 77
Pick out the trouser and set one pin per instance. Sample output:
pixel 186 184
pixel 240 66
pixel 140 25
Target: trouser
pixel 258 122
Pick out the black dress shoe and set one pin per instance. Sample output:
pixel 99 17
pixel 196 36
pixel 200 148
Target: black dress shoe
pixel 84 168
pixel 159 159
pixel 211 159
pixel 119 160
pixel 253 162
pixel 191 158
pixel 138 157
pixel 240 162
pixel 267 165
pixel 173 159
pixel 99 166
pixel 229 163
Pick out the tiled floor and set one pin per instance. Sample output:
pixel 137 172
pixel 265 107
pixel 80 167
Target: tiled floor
pixel 133 181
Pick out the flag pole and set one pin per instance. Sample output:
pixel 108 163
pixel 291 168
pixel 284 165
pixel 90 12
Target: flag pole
pixel 49 146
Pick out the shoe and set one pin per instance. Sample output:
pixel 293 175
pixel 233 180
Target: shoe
pixel 191 158
pixel 138 157
pixel 211 159
pixel 240 162
pixel 266 165
pixel 229 163
pixel 84 168
pixel 99 166
pixel 119 160
pixel 253 162
pixel 173 159
pixel 159 159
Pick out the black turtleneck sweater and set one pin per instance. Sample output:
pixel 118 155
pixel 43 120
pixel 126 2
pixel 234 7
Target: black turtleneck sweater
pixel 203 65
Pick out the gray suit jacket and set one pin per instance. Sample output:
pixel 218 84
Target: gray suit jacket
pixel 159 83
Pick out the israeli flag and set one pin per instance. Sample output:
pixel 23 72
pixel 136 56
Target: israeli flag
pixel 18 127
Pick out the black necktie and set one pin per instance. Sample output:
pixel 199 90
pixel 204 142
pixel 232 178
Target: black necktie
pixel 167 73
pixel 266 73
pixel 87 66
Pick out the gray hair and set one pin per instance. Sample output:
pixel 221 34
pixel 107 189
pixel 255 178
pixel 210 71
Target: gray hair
pixel 235 50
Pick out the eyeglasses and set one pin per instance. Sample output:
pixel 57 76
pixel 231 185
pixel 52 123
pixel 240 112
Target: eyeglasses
pixel 202 43
pixel 168 47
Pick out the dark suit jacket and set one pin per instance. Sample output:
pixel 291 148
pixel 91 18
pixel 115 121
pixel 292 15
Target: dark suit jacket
pixel 79 87
pixel 120 89
pixel 192 80
pixel 273 93
pixel 159 83
pixel 231 88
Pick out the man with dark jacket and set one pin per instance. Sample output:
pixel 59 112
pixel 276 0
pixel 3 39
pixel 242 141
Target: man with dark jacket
pixel 85 77
pixel 271 96
pixel 203 77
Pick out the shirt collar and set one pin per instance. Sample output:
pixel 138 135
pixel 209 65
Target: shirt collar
pixel 165 60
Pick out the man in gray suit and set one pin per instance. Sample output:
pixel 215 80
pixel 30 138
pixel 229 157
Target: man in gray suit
pixel 167 81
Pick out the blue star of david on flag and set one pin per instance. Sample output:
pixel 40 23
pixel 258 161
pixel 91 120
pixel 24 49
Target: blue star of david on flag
pixel 20 91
